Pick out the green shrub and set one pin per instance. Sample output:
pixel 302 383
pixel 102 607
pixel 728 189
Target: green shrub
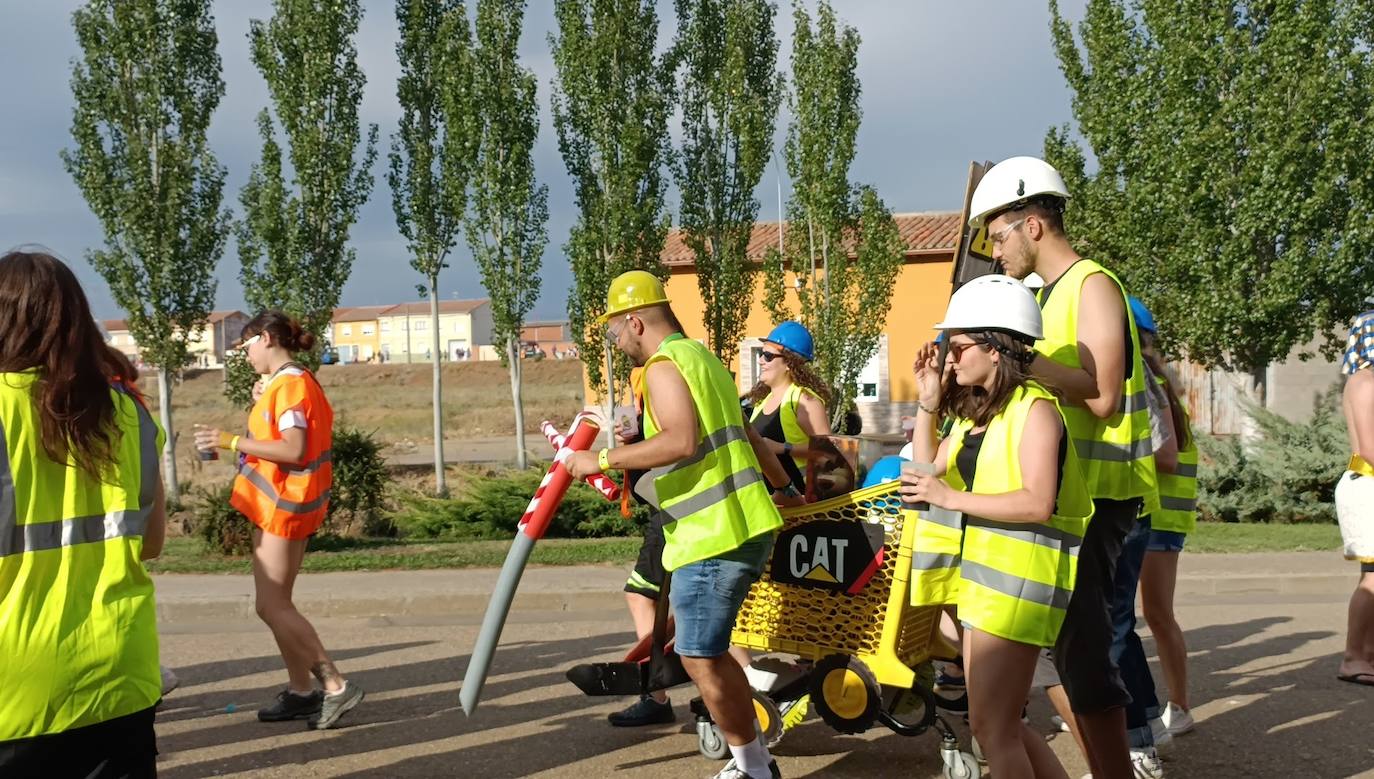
pixel 355 500
pixel 491 505
pixel 1287 474
pixel 223 529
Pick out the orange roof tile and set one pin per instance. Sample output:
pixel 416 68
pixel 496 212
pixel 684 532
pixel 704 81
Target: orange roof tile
pixel 445 307
pixel 931 232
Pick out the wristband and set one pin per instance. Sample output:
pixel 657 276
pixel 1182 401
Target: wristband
pixel 603 460
pixel 227 440
pixel 234 445
pixel 930 411
pixel 786 449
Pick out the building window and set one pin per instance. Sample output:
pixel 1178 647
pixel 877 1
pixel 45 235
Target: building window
pixel 872 374
pixel 420 324
pixel 458 326
pixel 369 329
pixel 386 327
pixel 346 329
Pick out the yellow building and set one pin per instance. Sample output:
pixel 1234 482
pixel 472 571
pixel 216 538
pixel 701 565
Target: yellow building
pixel 887 389
pixel 354 333
pixel 464 331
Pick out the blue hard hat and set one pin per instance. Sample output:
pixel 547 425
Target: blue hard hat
pixel 794 337
pixel 888 468
pixel 1143 319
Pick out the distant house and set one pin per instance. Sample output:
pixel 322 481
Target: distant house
pixel 551 339
pixel 207 347
pixel 354 333
pixel 118 335
pixel 403 331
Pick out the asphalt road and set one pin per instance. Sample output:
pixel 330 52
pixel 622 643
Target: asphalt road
pixel 1264 688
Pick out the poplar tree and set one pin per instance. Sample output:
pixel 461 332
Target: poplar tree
pixel 146 84
pixel 432 155
pixel 506 226
pixel 1232 188
pixel 300 204
pixel 725 60
pixel 841 245
pixel 611 98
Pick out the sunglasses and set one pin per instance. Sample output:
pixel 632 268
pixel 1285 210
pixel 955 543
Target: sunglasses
pixel 956 350
pixel 769 356
pixel 1000 237
pixel 247 342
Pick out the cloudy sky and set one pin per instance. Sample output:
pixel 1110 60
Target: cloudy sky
pixel 944 83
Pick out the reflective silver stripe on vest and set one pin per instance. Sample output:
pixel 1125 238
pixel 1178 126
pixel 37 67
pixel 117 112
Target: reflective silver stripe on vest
pixel 265 487
pixel 96 528
pixel 721 438
pixel 1032 533
pixel 713 495
pixel 1132 403
pixel 933 561
pixel 1171 503
pixel 311 466
pixel 1089 449
pixel 1014 587
pixel 1187 470
pixel 953 520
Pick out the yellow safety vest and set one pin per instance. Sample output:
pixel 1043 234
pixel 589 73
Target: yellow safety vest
pixel 716 499
pixel 78 627
pixel 1014 579
pixel 1177 512
pixel 1117 453
pixel 792 432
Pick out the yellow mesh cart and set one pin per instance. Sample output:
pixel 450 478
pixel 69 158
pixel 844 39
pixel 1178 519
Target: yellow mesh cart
pixel 866 640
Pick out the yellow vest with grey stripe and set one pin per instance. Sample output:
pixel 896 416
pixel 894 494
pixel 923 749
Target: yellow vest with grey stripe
pixel 1014 578
pixel 1117 453
pixel 716 499
pixel 78 627
pixel 1177 512
pixel 792 431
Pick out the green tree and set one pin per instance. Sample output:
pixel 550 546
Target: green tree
pixel 293 238
pixel 611 98
pixel 505 228
pixel 1233 188
pixel 842 245
pixel 145 88
pixel 432 154
pixel 725 57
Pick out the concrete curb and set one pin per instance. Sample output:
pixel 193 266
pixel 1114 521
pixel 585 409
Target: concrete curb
pixel 429 605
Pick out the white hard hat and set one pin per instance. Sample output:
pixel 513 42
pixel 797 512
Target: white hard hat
pixel 994 302
pixel 1011 182
pixel 1033 280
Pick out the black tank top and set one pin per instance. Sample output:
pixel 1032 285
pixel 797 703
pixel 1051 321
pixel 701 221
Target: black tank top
pixel 770 426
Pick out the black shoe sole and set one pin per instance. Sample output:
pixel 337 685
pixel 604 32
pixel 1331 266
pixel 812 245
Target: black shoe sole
pixel 286 717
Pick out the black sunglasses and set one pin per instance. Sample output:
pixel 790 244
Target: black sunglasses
pixel 769 356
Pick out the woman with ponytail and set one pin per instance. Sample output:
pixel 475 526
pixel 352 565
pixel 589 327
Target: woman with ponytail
pixel 789 400
pixel 283 488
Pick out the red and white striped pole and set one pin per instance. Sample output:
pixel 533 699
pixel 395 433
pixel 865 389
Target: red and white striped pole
pixel 598 481
pixel 533 524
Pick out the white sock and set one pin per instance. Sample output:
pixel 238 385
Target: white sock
pixel 752 758
pixel 299 694
pixel 339 691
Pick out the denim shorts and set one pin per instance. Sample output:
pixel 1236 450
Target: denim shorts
pixel 706 596
pixel 1166 541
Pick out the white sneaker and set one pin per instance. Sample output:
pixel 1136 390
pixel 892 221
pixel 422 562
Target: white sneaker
pixel 1178 720
pixel 1145 764
pixel 1159 732
pixel 169 679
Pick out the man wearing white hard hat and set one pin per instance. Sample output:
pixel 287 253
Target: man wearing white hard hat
pixel 1090 352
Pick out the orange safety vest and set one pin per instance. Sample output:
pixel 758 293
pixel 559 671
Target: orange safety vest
pixel 288 501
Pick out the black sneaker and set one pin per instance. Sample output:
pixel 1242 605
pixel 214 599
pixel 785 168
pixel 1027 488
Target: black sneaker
pixel 645 711
pixel 291 706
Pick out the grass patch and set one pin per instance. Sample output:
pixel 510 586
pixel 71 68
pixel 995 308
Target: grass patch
pixel 188 555
pixel 1240 537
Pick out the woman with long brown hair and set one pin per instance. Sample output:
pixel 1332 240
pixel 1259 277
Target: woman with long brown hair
pixel 1010 468
pixel 789 400
pixel 81 506
pixel 283 488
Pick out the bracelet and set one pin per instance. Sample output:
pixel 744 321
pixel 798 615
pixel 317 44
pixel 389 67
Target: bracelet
pixel 234 444
pixel 930 411
pixel 787 449
pixel 603 460
pixel 226 440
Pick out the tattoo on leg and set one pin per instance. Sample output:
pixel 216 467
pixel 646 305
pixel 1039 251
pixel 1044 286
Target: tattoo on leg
pixel 325 671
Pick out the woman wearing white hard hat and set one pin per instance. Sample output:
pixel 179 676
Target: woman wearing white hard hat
pixel 1009 467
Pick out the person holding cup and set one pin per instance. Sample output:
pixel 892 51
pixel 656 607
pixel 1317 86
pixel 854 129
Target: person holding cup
pixel 1011 470
pixel 283 487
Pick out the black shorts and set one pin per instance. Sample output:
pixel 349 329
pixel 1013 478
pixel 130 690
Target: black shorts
pixel 121 748
pixel 1082 653
pixel 647 577
pixel 1366 567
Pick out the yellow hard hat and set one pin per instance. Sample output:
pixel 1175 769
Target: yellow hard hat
pixel 632 290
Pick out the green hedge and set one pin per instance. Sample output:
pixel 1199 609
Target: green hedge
pixel 1287 474
pixel 491 504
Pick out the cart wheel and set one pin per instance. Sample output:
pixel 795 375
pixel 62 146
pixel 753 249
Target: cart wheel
pixel 710 742
pixel 966 768
pixel 769 719
pixel 845 693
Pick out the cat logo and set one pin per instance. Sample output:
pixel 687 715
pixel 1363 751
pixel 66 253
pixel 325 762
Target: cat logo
pixel 828 555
